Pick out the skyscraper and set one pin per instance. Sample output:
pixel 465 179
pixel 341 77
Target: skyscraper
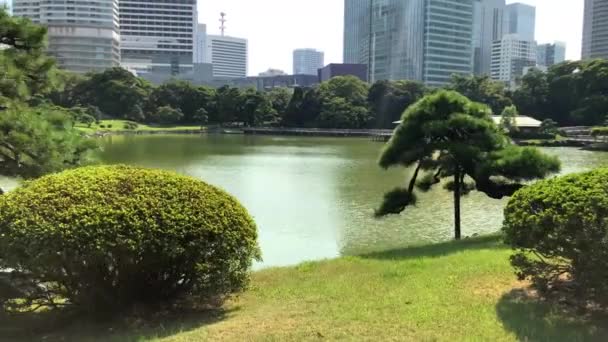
pixel 551 54
pixel 387 36
pixel 487 28
pixel 83 35
pixel 307 61
pixel 595 29
pixel 228 55
pixel 510 56
pixel 158 35
pixel 425 40
pixel 520 19
pixel 448 40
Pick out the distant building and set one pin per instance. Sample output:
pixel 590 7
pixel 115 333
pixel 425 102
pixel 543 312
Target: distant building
pixel 6 4
pixel 270 82
pixel 228 55
pixel 158 36
pixel 595 29
pixel 525 124
pixel 83 36
pixel 551 54
pixel 520 19
pixel 272 72
pixel 307 61
pixel 510 56
pixel 333 70
pixel 201 74
pixel 200 44
pixel 487 27
pixel 424 40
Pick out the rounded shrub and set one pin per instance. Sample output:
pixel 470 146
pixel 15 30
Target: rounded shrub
pixel 559 228
pixel 111 237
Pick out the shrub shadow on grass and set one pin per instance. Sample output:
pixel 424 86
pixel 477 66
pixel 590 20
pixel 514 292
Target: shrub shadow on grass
pixel 532 319
pixel 440 249
pixel 60 326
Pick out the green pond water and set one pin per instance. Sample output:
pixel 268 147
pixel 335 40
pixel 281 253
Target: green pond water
pixel 314 198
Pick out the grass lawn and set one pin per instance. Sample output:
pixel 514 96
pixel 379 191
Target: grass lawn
pixel 449 292
pixel 119 126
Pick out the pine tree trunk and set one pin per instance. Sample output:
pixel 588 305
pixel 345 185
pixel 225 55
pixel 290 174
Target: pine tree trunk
pixel 457 186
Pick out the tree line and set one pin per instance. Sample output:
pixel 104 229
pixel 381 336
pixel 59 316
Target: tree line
pixel 571 93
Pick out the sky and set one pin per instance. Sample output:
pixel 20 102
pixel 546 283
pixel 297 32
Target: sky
pixel 275 28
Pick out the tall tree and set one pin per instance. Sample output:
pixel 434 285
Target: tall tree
pixel 34 140
pixel 255 108
pixel 482 89
pixel 389 99
pixel 184 96
pixel 445 135
pixel 280 98
pixel 226 102
pixel 25 70
pixel 116 92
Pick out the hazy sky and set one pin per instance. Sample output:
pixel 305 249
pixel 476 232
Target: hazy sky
pixel 275 28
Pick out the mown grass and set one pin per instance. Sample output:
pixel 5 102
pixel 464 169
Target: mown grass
pixel 115 126
pixel 458 291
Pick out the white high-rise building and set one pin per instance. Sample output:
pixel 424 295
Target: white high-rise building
pixel 307 61
pixel 228 55
pixel 83 35
pixel 158 36
pixel 511 56
pixel 595 29
pixel 200 44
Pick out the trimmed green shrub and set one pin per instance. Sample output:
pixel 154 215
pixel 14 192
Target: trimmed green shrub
pixel 559 229
pixel 130 125
pixel 110 237
pixel 599 132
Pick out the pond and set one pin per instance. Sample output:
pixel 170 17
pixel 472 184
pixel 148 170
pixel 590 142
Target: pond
pixel 314 198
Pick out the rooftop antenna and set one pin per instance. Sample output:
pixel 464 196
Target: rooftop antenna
pixel 223 21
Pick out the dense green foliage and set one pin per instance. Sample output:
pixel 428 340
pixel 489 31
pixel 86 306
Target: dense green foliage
pixel 482 89
pixel 106 238
pixel 387 100
pixel 570 93
pixel 559 228
pixel 508 119
pixel 35 137
pixel 445 135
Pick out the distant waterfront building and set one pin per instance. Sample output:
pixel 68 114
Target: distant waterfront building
pixel 228 55
pixel 83 35
pixel 511 56
pixel 269 82
pixel 551 54
pixel 334 69
pixel 595 29
pixel 424 40
pixel 520 19
pixel 307 61
pixel 158 36
pixel 487 27
pixel 272 72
